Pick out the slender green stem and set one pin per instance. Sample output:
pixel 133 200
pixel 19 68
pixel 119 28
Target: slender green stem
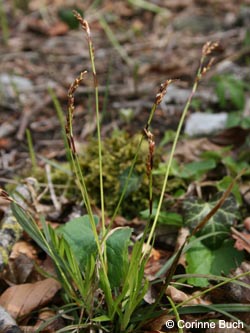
pixel 150 193
pixel 92 58
pixel 177 316
pixel 177 135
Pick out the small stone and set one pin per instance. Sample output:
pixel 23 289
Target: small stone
pixel 205 123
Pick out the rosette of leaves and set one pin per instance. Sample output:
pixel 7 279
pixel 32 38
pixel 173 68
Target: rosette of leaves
pixel 218 225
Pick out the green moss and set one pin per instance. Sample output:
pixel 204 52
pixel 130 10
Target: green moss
pixel 118 154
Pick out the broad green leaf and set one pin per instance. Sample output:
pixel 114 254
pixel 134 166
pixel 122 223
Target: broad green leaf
pixel 196 169
pixel 202 260
pixel 195 210
pixel 186 171
pixel 199 261
pixel 117 255
pixel 226 258
pixel 170 218
pixel 79 235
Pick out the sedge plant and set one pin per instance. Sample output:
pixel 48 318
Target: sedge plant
pixel 104 285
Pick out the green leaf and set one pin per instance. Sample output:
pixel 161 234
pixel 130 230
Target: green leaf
pixel 66 15
pixel 101 318
pixel 79 235
pixel 234 166
pixel 226 258
pixel 234 119
pixel 195 210
pixel 229 87
pixel 202 260
pixel 117 254
pixel 196 169
pixel 199 261
pixel 220 91
pixel 186 171
pixel 167 218
pixel 236 91
pixel 223 184
pixel 29 225
pixel 169 136
pixel 215 155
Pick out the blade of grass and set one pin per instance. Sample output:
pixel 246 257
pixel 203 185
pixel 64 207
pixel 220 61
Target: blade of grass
pixel 31 150
pixel 202 293
pixel 209 277
pixel 202 308
pixel 150 6
pixel 117 46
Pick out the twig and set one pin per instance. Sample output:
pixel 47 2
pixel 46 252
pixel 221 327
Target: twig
pixel 56 203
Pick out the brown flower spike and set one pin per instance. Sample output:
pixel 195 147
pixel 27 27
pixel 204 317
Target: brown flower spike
pixel 71 108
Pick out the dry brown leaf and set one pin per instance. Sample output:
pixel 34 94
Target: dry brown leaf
pixel 58 29
pixel 23 247
pixel 21 299
pixel 156 324
pixel 235 136
pixel 5 143
pixel 155 261
pixel 179 296
pixel 190 150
